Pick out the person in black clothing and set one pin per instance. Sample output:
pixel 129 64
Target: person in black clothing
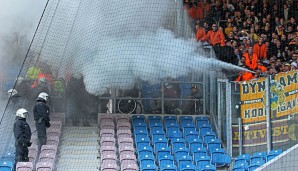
pixel 41 114
pixel 22 134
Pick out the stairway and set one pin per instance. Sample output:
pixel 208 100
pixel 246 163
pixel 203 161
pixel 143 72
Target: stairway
pixel 78 150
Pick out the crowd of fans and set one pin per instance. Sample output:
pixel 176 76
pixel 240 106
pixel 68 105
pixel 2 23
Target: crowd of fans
pixel 260 35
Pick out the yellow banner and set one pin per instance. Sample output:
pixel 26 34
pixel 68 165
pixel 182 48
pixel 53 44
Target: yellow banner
pixel 252 101
pixel 283 92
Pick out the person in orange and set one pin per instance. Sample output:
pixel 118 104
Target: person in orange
pixel 251 59
pixel 261 66
pixel 260 49
pixel 244 75
pixel 200 32
pixel 41 78
pixel 215 37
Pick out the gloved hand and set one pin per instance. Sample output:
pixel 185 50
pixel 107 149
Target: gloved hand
pixel 48 125
pixel 29 144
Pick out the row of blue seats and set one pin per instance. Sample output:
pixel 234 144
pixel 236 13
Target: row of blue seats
pixel 247 162
pixel 183 157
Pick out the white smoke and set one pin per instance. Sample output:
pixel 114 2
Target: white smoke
pixel 114 43
pixel 18 19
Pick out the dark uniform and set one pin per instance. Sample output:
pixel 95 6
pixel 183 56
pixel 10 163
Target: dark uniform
pixel 41 113
pixel 15 103
pixel 22 134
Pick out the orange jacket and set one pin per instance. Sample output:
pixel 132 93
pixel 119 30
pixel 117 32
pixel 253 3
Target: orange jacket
pixel 262 68
pixel 214 37
pixel 200 34
pixel 192 12
pixel 45 76
pixel 251 61
pixel 260 50
pixel 245 76
pixel 199 13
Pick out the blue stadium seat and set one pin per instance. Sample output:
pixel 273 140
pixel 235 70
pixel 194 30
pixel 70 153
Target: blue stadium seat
pixel 256 159
pixel 139 124
pixel 240 162
pixel 218 150
pixel 240 169
pixel 199 153
pixel 161 146
pixel 137 137
pixel 213 144
pixel 182 151
pixel 141 132
pixel 187 166
pixel 201 120
pixel 155 124
pixel 156 128
pixel 174 134
pixel 240 166
pixel 6 165
pixel 177 143
pixel 186 159
pixel 195 145
pixel 143 142
pixel 186 120
pixel 140 128
pixel 208 168
pixel 246 157
pixel 203 135
pixel 164 152
pixel 158 134
pixel 138 119
pixel 202 162
pixel 154 119
pixel 203 130
pixel 145 151
pixel 165 160
pixel 191 135
pixel 260 154
pixel 147 165
pixel 220 159
pixel 272 154
pixel 157 139
pixel 169 168
pixel 172 125
pixel 254 166
pixel 188 129
pixel 208 137
pixel 165 118
pixel 188 125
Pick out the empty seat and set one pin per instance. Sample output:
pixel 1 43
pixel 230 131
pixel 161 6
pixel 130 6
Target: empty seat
pixel 124 148
pixel 107 149
pixel 255 165
pixel 220 159
pixel 53 140
pixel 124 133
pixel 107 125
pixel 165 160
pixel 207 136
pixel 200 120
pixel 191 135
pixel 122 119
pixel 44 166
pixel 240 166
pixel 170 118
pixel 203 161
pixel 198 153
pixel 125 141
pixel 107 133
pixel 174 134
pixel 128 157
pixel 107 141
pixel 141 132
pixel 170 167
pixel 213 144
pixel 53 132
pixel 245 157
pixel 208 168
pixel 49 149
pixel 6 165
pixel 109 166
pixel 24 166
pixel 129 167
pixel 186 119
pixel 272 154
pixel 124 126
pixel 107 157
pixel 47 157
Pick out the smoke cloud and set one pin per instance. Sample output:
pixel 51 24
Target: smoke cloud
pixel 113 44
pixel 18 20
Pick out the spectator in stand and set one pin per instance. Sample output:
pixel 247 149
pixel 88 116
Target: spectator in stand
pixel 229 29
pixel 214 37
pixel 287 67
pixel 294 66
pixel 260 49
pixel 251 59
pixel 261 66
pixel 244 75
pixel 200 32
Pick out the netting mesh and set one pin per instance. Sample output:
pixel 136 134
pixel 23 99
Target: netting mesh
pixel 91 56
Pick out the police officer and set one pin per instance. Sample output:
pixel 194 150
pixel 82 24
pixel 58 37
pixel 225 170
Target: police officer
pixel 41 113
pixel 22 134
